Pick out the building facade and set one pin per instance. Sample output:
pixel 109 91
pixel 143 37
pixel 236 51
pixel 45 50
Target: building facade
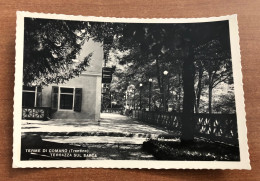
pixel 78 98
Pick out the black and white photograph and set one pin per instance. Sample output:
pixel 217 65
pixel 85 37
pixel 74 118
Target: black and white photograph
pixel 128 93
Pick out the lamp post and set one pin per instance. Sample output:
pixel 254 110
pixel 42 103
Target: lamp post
pixel 131 98
pixel 111 99
pixel 165 73
pixel 134 98
pixel 126 98
pixel 140 85
pixel 132 92
pixel 150 87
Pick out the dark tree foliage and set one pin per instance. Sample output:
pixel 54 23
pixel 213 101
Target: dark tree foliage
pixel 50 48
pixel 216 62
pixel 154 48
pixel 226 104
pixel 149 54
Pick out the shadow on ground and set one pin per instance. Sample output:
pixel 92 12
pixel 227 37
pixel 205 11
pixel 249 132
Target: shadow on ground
pixel 34 148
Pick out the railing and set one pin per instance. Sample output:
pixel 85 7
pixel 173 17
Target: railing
pixel 36 113
pixel 168 120
pixel 113 110
pixel 215 127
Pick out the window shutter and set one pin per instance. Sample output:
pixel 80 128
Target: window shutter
pixel 54 98
pixel 39 97
pixel 78 99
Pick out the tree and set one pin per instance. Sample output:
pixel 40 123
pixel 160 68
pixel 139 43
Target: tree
pixel 148 54
pixel 200 83
pixel 217 63
pixel 51 48
pixel 226 103
pixel 160 46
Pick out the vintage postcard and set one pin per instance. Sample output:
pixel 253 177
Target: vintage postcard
pixel 95 92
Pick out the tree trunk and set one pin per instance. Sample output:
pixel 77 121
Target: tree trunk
pixel 168 92
pixel 160 84
pixel 210 99
pixel 188 123
pixel 179 93
pixel 210 91
pixel 199 89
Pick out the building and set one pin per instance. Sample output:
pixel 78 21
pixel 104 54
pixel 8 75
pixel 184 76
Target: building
pixel 79 98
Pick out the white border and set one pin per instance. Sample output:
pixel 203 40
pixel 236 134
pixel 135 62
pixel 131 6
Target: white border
pixel 244 162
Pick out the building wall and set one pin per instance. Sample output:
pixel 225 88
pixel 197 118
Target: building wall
pixel 89 81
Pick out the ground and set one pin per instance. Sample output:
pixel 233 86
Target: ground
pixel 114 136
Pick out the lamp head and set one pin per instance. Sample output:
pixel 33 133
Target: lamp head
pixel 165 72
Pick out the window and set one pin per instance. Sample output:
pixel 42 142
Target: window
pixel 66 98
pixel 32 96
pixel 29 96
